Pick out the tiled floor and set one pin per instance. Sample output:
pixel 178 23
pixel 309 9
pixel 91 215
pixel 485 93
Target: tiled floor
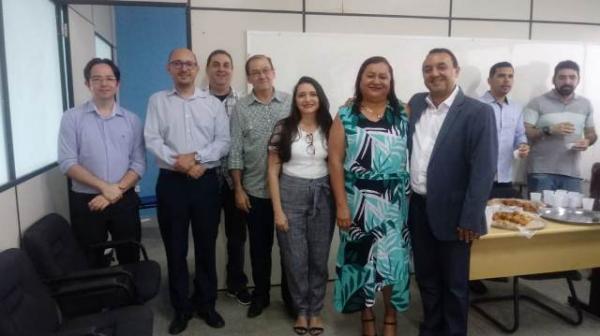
pixel 274 320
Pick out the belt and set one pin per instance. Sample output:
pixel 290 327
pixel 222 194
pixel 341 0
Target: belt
pixel 210 171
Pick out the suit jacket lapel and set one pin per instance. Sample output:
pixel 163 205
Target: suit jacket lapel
pixel 415 114
pixel 448 121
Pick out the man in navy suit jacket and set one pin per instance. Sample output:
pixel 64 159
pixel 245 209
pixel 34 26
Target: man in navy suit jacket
pixel 454 149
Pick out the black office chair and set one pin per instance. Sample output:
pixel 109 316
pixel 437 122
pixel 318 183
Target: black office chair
pixel 59 260
pixel 27 309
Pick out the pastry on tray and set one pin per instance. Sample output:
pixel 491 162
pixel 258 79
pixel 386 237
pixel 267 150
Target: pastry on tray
pixel 526 205
pixel 517 220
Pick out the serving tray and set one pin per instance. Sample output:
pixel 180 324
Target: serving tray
pixel 571 216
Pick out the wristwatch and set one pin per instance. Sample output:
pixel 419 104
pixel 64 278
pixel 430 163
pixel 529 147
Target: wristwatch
pixel 546 130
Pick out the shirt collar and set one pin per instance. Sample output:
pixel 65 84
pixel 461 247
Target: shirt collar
pixel 198 93
pixel 554 95
pixel 277 96
pixel 90 106
pixel 232 92
pixel 489 98
pixel 448 102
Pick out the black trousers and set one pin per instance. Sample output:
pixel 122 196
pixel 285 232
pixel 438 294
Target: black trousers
pixel 261 229
pixel 235 231
pixel 442 273
pixel 121 219
pixel 181 201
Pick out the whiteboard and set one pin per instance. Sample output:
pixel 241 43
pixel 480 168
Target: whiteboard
pixel 334 59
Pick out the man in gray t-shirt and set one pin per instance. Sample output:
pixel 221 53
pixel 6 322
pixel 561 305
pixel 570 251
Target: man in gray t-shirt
pixel 559 125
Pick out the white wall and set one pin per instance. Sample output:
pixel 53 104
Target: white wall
pixel 84 22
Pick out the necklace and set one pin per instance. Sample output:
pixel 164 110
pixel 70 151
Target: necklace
pixel 369 112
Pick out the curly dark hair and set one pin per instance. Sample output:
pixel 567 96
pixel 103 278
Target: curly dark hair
pixel 286 130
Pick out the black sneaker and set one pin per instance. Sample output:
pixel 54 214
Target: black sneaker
pixel 243 297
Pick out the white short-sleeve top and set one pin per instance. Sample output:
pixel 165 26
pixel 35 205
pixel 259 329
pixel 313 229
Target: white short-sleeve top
pixel 308 155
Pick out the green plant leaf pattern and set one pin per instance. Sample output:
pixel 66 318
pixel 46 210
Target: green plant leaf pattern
pixel 375 252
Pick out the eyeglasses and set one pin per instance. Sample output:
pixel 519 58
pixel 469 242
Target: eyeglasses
pixel 99 80
pixel 257 73
pixel 310 147
pixel 181 64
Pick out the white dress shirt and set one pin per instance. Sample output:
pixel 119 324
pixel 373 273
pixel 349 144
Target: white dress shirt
pixel 423 140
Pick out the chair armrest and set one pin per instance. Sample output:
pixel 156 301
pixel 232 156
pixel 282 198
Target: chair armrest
pixel 88 286
pixel 91 274
pixel 117 243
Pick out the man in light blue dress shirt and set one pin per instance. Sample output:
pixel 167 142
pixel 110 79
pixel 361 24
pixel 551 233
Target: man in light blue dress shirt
pixel 187 129
pixel 101 148
pixel 512 141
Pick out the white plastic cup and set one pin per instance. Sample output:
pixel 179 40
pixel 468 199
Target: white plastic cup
pixel 574 199
pixel 535 196
pixel 561 200
pixel 548 197
pixel 588 203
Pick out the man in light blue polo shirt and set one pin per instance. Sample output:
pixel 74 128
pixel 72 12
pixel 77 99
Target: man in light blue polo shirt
pixel 512 141
pixel 101 148
pixel 559 126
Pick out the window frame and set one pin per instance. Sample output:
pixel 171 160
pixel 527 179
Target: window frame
pixel 64 58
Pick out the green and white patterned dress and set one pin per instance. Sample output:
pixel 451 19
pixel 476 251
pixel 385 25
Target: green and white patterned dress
pixel 375 251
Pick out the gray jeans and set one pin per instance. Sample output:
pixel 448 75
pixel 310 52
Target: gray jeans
pixel 308 205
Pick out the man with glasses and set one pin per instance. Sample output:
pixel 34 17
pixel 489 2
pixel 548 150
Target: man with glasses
pixel 187 129
pixel 219 69
pixel 101 148
pixel 252 122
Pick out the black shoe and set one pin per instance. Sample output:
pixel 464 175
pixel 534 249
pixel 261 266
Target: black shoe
pixel 212 318
pixel 243 297
pixel 477 287
pixel 256 308
pixel 179 323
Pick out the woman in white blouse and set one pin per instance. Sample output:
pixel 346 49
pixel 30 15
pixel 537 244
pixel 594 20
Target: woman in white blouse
pixel 302 202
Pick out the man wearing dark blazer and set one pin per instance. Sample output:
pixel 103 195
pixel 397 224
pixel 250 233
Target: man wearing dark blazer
pixel 454 149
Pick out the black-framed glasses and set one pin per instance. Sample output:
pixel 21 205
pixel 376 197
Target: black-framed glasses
pixel 310 147
pixel 181 64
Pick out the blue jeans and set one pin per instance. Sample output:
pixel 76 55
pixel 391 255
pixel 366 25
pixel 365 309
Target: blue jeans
pixel 539 182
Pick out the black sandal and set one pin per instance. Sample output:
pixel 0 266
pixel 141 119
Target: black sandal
pixel 315 331
pixel 299 330
pixel 369 320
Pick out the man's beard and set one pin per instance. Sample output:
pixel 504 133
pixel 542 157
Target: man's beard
pixel 565 90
